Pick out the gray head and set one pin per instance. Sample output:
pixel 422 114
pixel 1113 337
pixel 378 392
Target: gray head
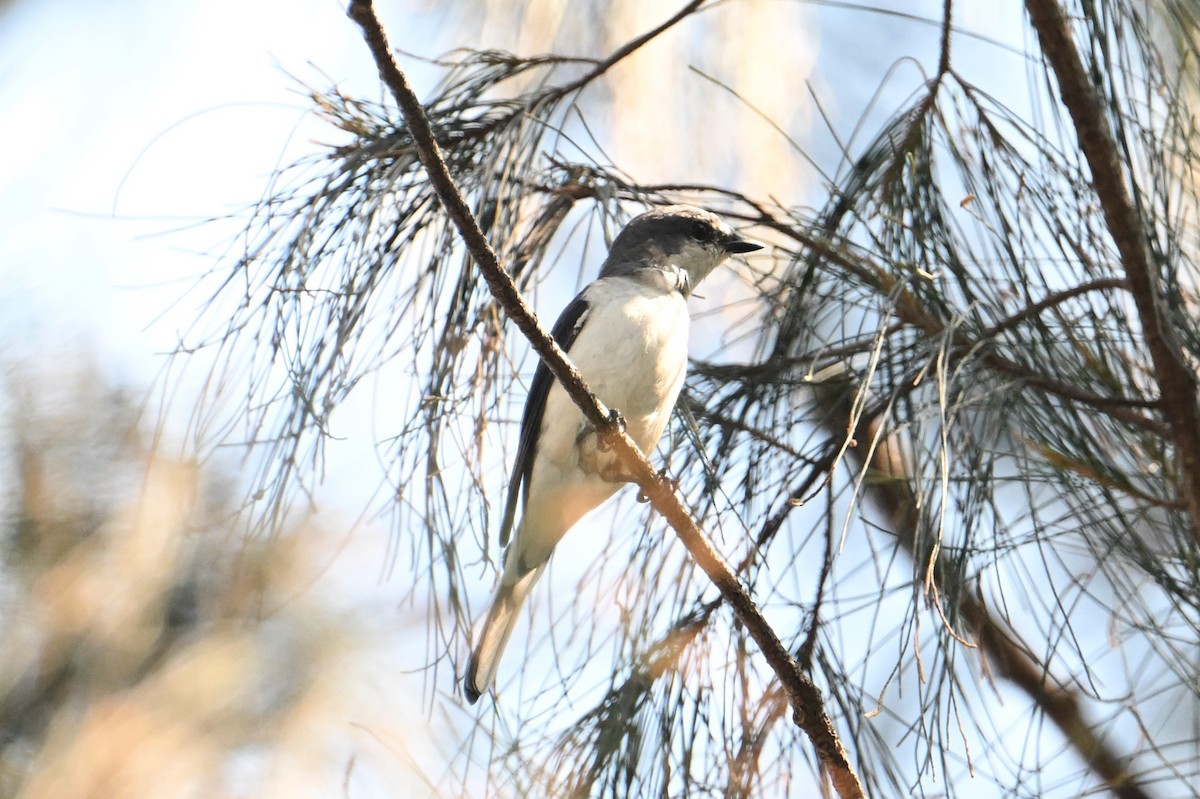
pixel 690 238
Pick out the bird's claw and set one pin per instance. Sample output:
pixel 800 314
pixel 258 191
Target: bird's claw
pixel 662 476
pixel 617 420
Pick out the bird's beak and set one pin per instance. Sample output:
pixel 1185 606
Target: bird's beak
pixel 736 245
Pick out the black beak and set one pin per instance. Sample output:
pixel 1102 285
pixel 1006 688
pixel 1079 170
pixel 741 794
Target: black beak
pixel 736 245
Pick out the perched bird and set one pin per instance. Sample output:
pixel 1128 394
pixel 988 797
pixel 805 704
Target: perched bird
pixel 627 333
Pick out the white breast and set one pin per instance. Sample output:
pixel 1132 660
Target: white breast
pixel 633 354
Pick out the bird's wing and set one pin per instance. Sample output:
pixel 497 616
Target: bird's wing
pixel 569 323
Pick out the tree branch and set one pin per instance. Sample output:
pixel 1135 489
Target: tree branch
pixel 1030 311
pixel 808 706
pixel 629 47
pixel 1178 384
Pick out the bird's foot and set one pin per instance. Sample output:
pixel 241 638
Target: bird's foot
pixel 663 477
pixel 617 421
pixel 595 449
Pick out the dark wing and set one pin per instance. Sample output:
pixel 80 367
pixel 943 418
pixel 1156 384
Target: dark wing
pixel 569 323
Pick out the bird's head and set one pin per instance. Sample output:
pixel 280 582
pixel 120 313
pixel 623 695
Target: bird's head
pixel 689 238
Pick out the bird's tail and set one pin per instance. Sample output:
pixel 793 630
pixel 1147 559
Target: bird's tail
pixel 501 619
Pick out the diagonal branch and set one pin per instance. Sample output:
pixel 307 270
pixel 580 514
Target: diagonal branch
pixel 629 47
pixel 808 705
pixel 1178 384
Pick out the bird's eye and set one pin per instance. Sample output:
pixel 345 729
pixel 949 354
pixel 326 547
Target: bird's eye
pixel 703 232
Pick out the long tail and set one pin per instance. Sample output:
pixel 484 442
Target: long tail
pixel 501 619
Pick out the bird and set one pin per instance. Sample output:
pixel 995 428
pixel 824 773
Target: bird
pixel 627 334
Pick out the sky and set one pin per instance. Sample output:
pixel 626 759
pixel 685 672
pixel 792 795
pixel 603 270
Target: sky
pixel 133 121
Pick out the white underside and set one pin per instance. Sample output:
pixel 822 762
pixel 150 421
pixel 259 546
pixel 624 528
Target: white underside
pixel 632 352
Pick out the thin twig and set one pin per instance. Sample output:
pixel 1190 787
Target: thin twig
pixel 629 47
pixel 1030 311
pixel 947 29
pixel 695 406
pixel 806 700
